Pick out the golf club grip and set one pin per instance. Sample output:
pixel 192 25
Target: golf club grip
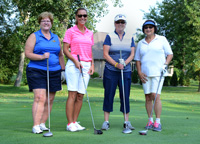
pixel 80 66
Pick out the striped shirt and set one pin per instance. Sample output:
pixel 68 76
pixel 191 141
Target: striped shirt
pixel 80 43
pixel 116 45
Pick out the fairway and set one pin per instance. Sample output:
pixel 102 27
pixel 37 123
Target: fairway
pixel 180 117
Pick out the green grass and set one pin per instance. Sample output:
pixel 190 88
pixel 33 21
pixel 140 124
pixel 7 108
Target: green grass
pixel 180 117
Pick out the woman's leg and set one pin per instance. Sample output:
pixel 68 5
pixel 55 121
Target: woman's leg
pixel 158 106
pixel 38 105
pixel 70 105
pixel 77 106
pixel 148 104
pixel 45 113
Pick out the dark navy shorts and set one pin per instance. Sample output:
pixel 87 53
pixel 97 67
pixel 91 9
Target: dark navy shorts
pixel 111 80
pixel 37 79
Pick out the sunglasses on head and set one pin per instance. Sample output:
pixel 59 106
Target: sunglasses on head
pixel 146 27
pixel 118 22
pixel 80 16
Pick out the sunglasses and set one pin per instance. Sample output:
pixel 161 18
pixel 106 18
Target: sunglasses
pixel 80 16
pixel 150 27
pixel 118 22
pixel 45 21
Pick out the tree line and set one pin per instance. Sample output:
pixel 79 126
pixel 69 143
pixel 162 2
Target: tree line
pixel 178 20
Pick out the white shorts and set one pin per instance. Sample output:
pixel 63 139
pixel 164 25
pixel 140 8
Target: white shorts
pixel 151 85
pixel 74 77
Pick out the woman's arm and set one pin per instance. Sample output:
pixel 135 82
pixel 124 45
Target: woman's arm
pixel 66 51
pixel 142 76
pixel 29 47
pixel 61 57
pixel 109 59
pixel 130 58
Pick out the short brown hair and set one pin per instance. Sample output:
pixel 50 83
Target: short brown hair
pixel 45 15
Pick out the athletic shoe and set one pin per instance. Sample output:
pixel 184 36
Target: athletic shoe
pixel 105 126
pixel 43 127
pixel 128 124
pixel 72 127
pixel 79 127
pixel 36 129
pixel 157 127
pixel 149 125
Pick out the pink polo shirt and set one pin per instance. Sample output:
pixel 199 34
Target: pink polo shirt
pixel 80 43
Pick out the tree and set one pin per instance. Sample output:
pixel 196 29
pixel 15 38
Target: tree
pixel 9 43
pixel 174 80
pixel 179 21
pixel 135 76
pixel 26 13
pixel 197 68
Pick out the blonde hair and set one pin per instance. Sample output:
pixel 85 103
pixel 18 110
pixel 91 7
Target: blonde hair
pixel 45 15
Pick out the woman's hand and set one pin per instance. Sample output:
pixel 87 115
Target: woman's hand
pixel 91 70
pixel 120 66
pixel 142 77
pixel 46 55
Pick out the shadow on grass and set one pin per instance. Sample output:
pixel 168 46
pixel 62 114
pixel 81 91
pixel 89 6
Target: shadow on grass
pixel 12 89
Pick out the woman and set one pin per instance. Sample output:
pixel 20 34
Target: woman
pixel 152 56
pixel 40 46
pixel 79 40
pixel 113 44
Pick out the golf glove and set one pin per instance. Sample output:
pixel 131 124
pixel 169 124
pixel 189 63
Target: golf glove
pixel 63 76
pixel 121 61
pixel 164 69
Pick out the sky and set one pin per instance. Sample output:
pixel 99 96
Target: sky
pixel 132 10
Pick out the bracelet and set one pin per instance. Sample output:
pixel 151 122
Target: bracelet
pixel 116 64
pixel 63 70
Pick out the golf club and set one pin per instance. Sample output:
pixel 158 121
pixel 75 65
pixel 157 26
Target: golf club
pixel 95 130
pixel 126 130
pixel 48 134
pixel 144 132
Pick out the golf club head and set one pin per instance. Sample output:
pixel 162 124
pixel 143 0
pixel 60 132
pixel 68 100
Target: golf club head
pixel 126 131
pixel 99 132
pixel 48 134
pixel 143 132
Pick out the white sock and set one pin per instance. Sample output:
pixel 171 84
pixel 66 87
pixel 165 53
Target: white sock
pixel 151 119
pixel 158 120
pixel 107 121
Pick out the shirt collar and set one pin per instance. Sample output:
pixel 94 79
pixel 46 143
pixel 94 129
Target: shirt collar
pixel 76 28
pixel 118 34
pixel 42 35
pixel 156 37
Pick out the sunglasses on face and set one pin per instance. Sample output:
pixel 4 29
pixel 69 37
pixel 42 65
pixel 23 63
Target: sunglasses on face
pixel 80 16
pixel 150 27
pixel 43 21
pixel 118 22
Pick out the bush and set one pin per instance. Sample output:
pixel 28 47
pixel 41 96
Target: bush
pixel 95 74
pixel 135 76
pixel 166 82
pixel 184 80
pixel 174 80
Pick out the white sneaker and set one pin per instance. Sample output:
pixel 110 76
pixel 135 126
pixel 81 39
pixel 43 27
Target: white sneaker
pixel 43 127
pixel 36 129
pixel 79 127
pixel 72 127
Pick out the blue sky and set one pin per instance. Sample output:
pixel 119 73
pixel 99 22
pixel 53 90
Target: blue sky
pixel 132 10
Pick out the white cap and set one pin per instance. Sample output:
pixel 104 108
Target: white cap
pixel 120 17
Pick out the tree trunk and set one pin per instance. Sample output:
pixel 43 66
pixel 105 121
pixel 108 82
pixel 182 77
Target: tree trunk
pixel 199 84
pixel 20 71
